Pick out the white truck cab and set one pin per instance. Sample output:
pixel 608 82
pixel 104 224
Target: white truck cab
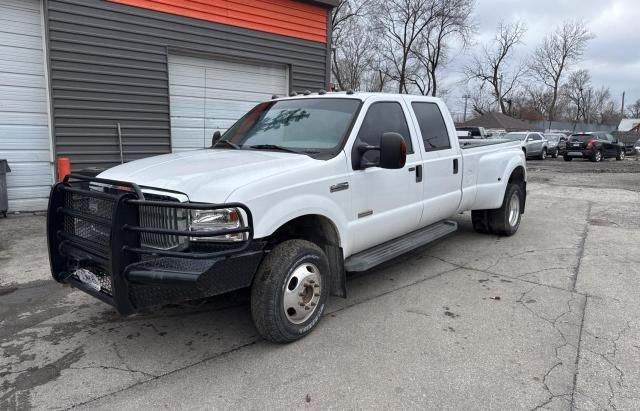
pixel 298 192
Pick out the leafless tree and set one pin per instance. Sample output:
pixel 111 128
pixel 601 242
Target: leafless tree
pixel 480 99
pixel 344 12
pixel 452 21
pixel 633 110
pixel 558 52
pixel 349 51
pixel 589 103
pixel 576 90
pixel 493 66
pixel 400 23
pixel 354 57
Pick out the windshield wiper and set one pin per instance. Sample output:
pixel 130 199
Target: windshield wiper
pixel 227 143
pixel 280 148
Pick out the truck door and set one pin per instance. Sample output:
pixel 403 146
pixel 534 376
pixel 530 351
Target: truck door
pixel 442 164
pixel 386 203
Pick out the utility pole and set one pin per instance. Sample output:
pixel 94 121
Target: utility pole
pixel 622 109
pixel 466 98
pixel 500 92
pixel 589 107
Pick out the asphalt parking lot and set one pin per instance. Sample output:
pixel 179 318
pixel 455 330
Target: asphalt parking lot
pixel 546 319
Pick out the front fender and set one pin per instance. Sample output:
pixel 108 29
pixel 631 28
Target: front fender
pixel 269 216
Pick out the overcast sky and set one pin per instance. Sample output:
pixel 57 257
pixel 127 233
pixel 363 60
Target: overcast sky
pixel 612 58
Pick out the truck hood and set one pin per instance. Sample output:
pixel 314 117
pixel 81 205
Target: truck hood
pixel 207 175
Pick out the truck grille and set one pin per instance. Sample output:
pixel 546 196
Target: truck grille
pixel 164 218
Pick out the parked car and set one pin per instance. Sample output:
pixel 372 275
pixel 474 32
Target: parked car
pixel 554 139
pixel 475 132
pixel 533 144
pixel 595 146
pixel 636 146
pixel 298 192
pixel 495 132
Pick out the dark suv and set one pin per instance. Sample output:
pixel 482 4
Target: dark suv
pixel 595 146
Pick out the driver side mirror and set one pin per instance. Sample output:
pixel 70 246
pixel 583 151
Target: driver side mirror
pixel 217 135
pixel 393 152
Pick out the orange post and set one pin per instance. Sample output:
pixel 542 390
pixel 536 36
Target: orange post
pixel 64 168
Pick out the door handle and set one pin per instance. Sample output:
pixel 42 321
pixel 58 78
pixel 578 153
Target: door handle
pixel 418 170
pixel 455 166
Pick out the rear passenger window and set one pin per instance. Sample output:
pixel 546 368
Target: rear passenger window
pixel 384 117
pixel 432 126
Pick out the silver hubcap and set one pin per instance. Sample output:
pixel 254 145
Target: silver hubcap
pixel 598 156
pixel 302 293
pixel 514 209
pixel 544 154
pixel 622 155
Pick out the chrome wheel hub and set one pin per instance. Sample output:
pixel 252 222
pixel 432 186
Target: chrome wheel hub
pixel 514 209
pixel 302 293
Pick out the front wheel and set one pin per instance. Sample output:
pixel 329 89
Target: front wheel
pixel 290 291
pixel 506 219
pixel 620 155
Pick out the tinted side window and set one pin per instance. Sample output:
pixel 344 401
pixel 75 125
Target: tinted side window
pixel 536 137
pixel 432 126
pixel 384 117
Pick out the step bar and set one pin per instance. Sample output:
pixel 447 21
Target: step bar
pixel 379 254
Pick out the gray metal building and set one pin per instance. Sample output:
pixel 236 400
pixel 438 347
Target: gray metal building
pixel 168 73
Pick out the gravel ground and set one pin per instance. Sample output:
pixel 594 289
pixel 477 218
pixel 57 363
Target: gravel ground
pixel 546 319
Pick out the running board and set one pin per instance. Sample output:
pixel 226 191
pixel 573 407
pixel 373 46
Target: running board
pixel 374 256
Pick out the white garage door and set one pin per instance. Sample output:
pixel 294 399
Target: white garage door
pixel 211 94
pixel 24 140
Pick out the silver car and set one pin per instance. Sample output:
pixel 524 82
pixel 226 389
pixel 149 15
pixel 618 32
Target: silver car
pixel 554 139
pixel 533 143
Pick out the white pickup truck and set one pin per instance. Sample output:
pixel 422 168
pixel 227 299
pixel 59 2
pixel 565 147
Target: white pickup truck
pixel 300 191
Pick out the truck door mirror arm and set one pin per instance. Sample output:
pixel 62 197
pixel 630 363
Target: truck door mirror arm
pixel 216 137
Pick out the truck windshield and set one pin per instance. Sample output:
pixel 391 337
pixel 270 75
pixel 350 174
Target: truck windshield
pixel 515 136
pixel 309 125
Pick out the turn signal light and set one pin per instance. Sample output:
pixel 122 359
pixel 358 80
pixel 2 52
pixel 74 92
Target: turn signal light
pixel 591 143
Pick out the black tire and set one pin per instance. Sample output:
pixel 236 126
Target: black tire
pixel 270 284
pixel 480 221
pixel 621 155
pixel 597 158
pixel 543 154
pixel 567 158
pixel 500 220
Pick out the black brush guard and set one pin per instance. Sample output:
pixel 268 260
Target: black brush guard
pixel 100 232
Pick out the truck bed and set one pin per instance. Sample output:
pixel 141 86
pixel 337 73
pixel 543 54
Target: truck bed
pixel 472 143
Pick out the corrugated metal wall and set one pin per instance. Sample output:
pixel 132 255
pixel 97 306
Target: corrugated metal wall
pixel 109 65
pixel 24 132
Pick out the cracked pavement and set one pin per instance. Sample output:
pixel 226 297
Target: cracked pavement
pixel 547 319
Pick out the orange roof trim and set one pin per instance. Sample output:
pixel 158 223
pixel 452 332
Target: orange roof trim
pixel 286 17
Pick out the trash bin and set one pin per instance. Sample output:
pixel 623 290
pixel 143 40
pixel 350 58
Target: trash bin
pixel 4 197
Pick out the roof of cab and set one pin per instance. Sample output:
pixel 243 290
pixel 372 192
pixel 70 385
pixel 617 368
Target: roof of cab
pixel 357 95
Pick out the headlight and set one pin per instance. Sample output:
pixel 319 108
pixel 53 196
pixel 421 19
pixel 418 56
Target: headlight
pixel 214 220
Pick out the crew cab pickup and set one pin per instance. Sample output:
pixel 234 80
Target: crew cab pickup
pixel 297 193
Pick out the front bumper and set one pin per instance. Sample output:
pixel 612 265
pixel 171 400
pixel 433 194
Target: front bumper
pixel 95 245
